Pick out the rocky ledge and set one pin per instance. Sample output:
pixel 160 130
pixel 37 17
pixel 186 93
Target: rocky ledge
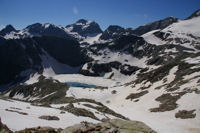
pixel 108 126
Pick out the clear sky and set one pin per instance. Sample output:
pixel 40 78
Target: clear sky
pixel 126 13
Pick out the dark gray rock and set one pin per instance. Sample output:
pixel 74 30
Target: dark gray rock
pixel 50 30
pixel 161 24
pixel 23 54
pixel 195 14
pixel 85 28
pixel 112 32
pixel 9 28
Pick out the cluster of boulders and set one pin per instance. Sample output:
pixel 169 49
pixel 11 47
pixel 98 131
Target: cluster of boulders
pixel 110 126
pixel 107 126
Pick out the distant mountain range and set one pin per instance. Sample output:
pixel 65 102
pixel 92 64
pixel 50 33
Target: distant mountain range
pixel 25 48
pixel 83 30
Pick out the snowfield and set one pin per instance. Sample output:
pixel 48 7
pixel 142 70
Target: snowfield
pixel 190 26
pixel 185 30
pixel 159 121
pixel 16 121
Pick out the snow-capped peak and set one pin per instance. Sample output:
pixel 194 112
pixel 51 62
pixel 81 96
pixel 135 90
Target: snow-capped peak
pixel 46 25
pixel 9 28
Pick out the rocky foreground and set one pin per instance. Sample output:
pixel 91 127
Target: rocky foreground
pixel 108 126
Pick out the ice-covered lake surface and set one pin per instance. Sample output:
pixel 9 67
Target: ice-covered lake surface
pixel 82 85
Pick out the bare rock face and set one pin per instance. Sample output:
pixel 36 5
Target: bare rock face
pixel 7 30
pixel 110 126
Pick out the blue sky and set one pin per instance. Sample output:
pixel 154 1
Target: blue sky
pixel 126 13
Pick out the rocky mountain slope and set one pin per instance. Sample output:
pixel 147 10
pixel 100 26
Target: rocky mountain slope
pixel 149 74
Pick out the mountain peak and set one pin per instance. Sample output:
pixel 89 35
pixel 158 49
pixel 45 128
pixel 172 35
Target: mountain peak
pixel 9 28
pixel 83 21
pixel 115 28
pixel 112 32
pixel 34 25
pixel 195 14
pixel 85 27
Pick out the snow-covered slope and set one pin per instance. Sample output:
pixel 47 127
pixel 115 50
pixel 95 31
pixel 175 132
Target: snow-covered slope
pixel 183 32
pixel 190 26
pixel 16 121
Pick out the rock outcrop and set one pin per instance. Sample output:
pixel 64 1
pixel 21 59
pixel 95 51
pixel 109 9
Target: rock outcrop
pixel 110 126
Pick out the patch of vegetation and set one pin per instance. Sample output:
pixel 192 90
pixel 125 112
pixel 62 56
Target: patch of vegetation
pixel 79 111
pixel 168 102
pixel 48 117
pixel 136 95
pixel 185 114
pixel 105 110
